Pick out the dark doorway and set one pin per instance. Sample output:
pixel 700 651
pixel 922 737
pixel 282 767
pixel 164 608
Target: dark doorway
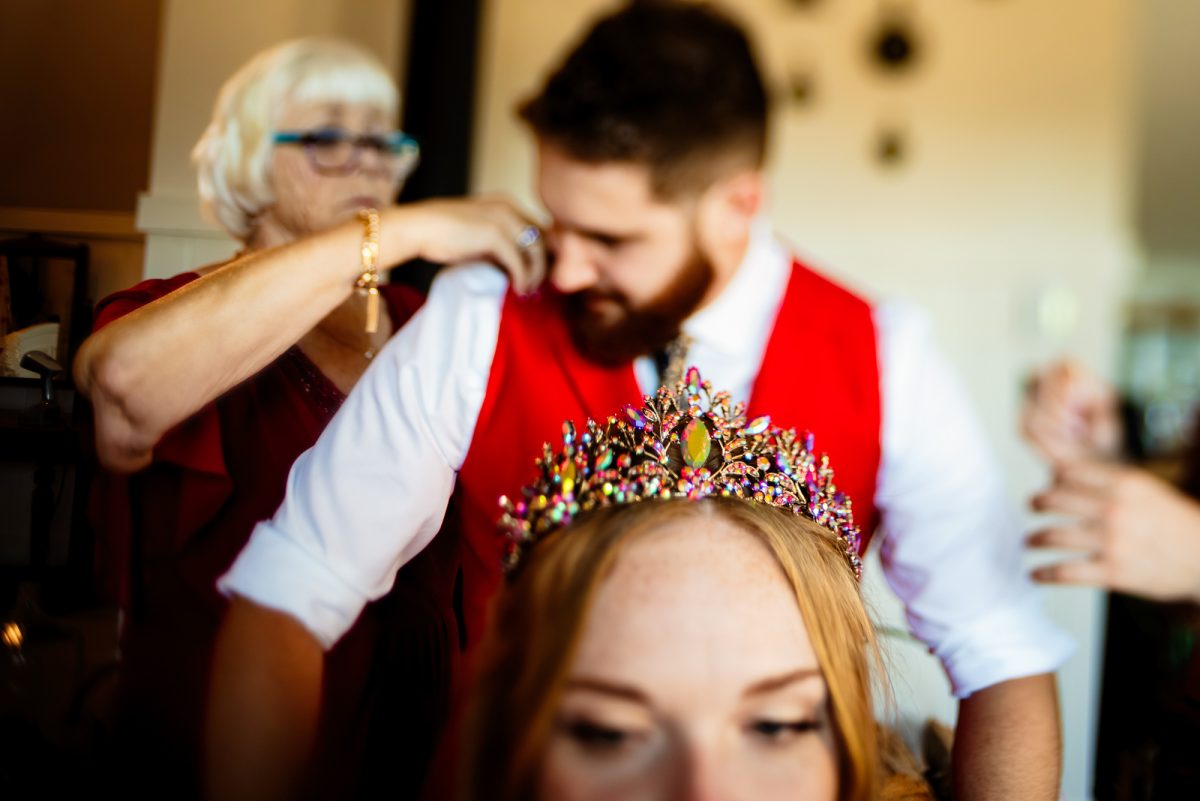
pixel 439 106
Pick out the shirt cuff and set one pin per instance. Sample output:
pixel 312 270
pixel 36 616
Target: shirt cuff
pixel 274 572
pixel 1008 643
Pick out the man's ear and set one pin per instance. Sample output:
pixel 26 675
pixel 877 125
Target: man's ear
pixel 728 207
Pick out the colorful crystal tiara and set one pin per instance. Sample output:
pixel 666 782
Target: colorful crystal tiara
pixel 685 442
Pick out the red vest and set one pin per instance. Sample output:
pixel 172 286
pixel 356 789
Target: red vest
pixel 819 373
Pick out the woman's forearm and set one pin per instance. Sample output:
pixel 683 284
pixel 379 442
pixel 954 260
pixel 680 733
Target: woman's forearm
pixel 156 366
pixel 161 363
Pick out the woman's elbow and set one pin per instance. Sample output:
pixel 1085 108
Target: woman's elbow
pixel 99 372
pixel 83 370
pixel 122 444
pixel 118 447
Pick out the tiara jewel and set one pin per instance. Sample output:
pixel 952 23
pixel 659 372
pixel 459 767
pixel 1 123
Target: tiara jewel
pixel 685 441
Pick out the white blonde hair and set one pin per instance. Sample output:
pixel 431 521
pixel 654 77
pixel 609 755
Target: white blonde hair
pixel 233 155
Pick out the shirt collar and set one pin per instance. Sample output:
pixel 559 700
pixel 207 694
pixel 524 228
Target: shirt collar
pixel 739 320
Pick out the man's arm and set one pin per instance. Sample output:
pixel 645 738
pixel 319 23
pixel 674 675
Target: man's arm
pixel 952 551
pixel 363 501
pixel 266 692
pixel 1008 743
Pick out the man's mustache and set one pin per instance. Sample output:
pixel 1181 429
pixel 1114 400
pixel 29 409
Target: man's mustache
pixel 588 297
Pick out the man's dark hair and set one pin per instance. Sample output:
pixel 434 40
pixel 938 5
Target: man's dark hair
pixel 668 84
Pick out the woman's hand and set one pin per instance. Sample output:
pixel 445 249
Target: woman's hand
pixel 491 228
pixel 1140 535
pixel 1070 414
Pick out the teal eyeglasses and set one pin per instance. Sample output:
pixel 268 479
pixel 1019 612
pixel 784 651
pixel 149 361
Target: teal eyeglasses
pixel 339 152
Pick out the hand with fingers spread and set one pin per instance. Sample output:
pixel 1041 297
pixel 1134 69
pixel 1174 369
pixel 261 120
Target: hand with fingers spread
pixel 1071 414
pixel 1139 534
pixel 490 228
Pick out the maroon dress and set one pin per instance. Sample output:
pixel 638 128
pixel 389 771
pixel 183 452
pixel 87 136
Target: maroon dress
pixel 166 533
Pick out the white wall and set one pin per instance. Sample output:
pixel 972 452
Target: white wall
pixel 1010 223
pixel 202 45
pixel 1168 186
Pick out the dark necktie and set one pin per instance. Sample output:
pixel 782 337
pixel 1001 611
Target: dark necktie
pixel 671 361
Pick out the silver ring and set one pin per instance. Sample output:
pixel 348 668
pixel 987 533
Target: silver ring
pixel 530 235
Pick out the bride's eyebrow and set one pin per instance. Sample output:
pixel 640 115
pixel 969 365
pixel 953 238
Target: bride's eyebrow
pixel 604 687
pixel 773 683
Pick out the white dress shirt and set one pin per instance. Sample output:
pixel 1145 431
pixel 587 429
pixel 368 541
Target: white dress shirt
pixel 372 492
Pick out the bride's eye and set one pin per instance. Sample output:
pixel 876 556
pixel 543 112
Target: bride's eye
pixel 780 731
pixel 597 737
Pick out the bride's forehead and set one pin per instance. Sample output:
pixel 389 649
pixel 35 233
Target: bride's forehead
pixel 689 547
pixel 696 595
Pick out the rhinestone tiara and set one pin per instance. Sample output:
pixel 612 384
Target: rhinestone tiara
pixel 686 441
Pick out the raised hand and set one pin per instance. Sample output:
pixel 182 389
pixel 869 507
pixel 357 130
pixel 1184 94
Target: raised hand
pixel 1138 534
pixel 1070 414
pixel 490 228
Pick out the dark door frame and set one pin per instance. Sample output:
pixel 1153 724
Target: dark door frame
pixel 439 94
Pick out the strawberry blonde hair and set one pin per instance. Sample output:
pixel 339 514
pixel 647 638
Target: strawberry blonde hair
pixel 538 621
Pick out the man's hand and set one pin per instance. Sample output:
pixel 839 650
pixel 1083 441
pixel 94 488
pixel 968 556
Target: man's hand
pixel 1071 414
pixel 1138 534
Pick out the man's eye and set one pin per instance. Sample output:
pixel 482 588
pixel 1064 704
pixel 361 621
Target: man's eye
pixel 604 241
pixel 781 730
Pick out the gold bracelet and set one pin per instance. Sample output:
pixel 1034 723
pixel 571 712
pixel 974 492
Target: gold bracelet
pixel 368 281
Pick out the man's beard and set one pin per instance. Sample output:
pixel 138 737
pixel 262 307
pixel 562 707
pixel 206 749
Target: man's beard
pixel 618 333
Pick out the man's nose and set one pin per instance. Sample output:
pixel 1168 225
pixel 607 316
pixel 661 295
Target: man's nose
pixel 573 269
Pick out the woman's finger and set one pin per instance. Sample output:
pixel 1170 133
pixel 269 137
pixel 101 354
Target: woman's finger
pixel 512 261
pixel 1051 439
pixel 527 237
pixel 1091 476
pixel 1071 538
pixel 533 247
pixel 535 258
pixel 1087 572
pixel 1083 504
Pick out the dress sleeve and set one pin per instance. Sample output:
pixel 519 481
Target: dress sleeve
pixel 952 547
pixel 119 304
pixel 372 492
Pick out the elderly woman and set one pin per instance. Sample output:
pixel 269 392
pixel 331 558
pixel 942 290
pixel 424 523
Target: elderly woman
pixel 206 387
pixel 682 619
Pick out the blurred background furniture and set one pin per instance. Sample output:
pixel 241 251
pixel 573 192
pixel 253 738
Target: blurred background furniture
pixel 43 426
pixel 57 644
pixel 45 284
